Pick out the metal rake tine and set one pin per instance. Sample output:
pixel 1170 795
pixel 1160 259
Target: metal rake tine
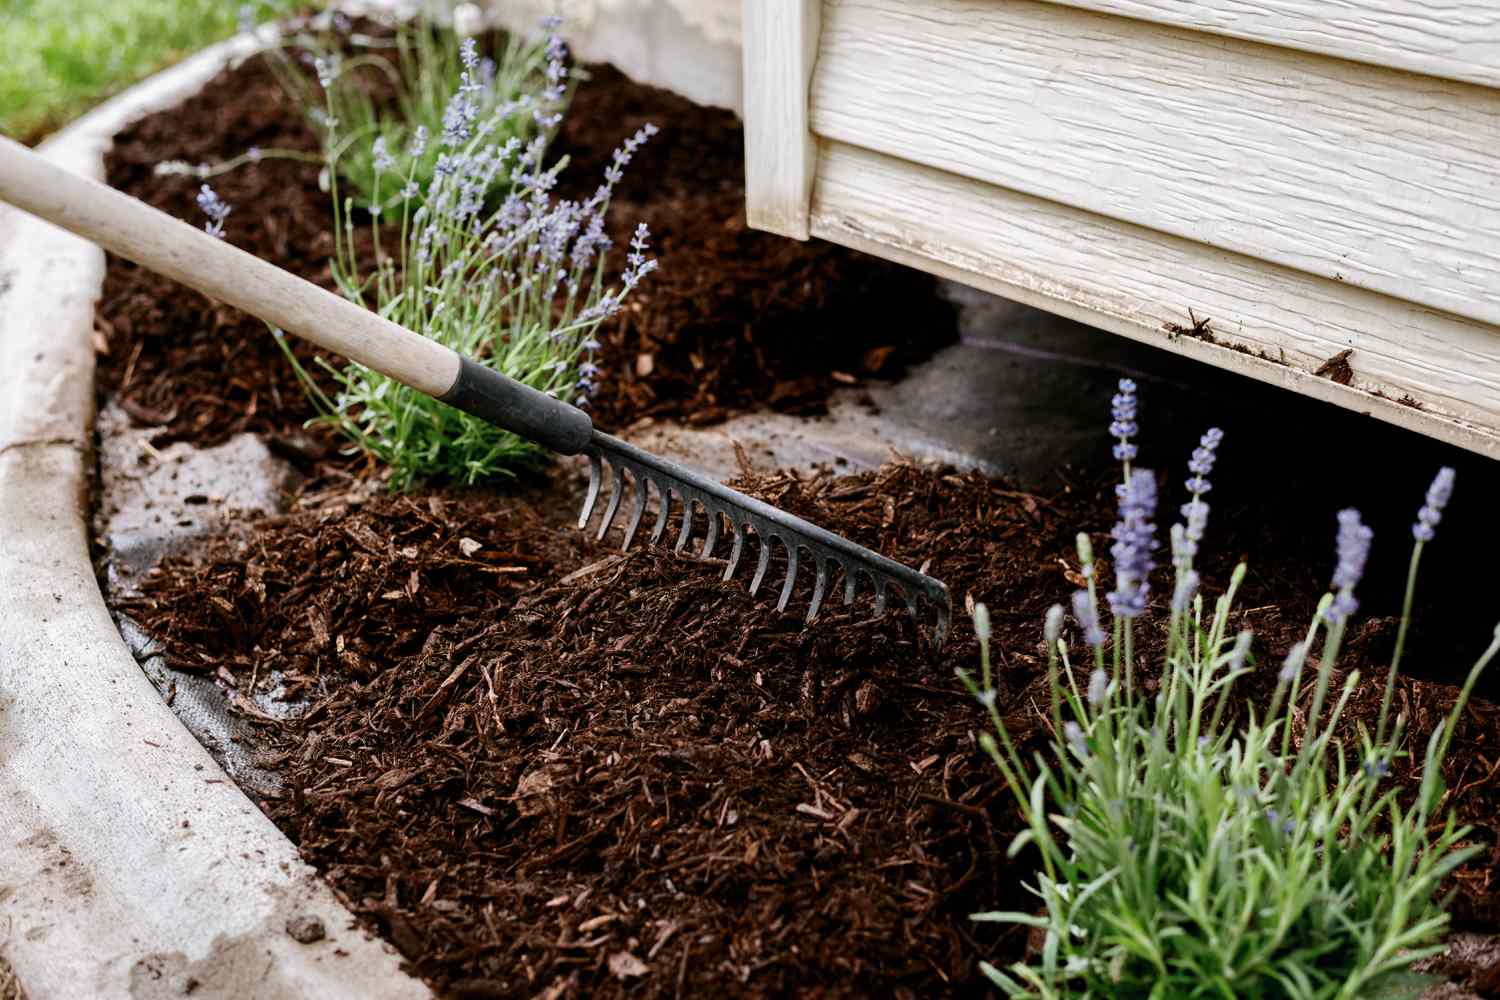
pixel 818 587
pixel 762 562
pixel 747 514
pixel 638 509
pixel 713 532
pixel 617 487
pixel 595 475
pixel 739 548
pixel 687 524
pixel 944 621
pixel 663 513
pixel 791 576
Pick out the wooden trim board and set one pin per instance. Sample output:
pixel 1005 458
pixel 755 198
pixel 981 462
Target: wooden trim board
pixel 781 40
pixel 1273 324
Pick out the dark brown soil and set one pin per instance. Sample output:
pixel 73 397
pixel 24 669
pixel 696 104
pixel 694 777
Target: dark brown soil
pixel 633 779
pixel 732 319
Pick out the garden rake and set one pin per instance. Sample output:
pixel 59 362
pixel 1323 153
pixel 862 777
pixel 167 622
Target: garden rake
pixel 221 271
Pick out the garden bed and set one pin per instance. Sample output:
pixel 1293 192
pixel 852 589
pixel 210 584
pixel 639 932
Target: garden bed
pixel 541 767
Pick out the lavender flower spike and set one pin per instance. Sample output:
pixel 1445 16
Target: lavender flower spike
pixel 1123 426
pixel 382 158
pixel 1098 687
pixel 1088 619
pixel 1073 732
pixel 1353 549
pixel 1202 462
pixel 216 208
pixel 1295 657
pixel 1135 539
pixel 1438 495
pixel 1052 626
pixel 1187 589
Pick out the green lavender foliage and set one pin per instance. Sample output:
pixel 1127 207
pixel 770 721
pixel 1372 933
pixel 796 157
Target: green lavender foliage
pixel 1182 856
pixel 358 88
pixel 519 287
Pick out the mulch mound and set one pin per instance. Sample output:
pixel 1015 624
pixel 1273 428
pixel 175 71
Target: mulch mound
pixel 734 319
pixel 634 779
pixel 731 319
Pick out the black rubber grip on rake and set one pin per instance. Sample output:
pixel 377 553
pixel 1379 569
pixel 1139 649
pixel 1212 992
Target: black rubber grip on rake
pixel 516 407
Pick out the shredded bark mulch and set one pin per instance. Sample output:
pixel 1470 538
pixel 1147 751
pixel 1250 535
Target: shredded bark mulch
pixel 619 775
pixel 733 318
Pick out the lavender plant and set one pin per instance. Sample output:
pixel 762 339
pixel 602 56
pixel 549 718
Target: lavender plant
pixel 373 98
pixel 1185 855
pixel 520 287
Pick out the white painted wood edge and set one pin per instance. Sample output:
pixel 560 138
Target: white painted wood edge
pixel 781 46
pixel 130 865
pixel 1080 268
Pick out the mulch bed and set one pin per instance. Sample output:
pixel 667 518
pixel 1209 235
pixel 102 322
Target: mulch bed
pixel 733 318
pixel 542 768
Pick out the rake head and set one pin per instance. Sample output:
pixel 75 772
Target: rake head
pixel 747 515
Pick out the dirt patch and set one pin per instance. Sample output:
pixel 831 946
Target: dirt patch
pixel 631 778
pixel 733 318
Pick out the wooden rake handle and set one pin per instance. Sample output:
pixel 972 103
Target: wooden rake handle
pixel 156 241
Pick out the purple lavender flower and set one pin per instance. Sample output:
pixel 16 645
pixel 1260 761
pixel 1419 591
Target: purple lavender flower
pixel 1123 426
pixel 1240 651
pixel 1098 687
pixel 1186 590
pixel 215 208
pixel 638 265
pixel 1195 511
pixel 1431 513
pixel 1073 732
pixel 418 144
pixel 458 118
pixel 1202 462
pixel 1292 665
pixel 592 240
pixel 1087 618
pixel 1052 626
pixel 1135 539
pixel 1353 549
pixel 382 157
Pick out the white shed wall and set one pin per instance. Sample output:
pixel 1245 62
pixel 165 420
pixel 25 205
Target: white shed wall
pixel 1311 196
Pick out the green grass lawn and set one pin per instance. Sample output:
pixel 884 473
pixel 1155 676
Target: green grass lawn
pixel 61 57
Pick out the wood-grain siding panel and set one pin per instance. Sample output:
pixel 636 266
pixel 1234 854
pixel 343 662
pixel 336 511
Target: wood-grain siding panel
pixel 1380 179
pixel 1134 281
pixel 1453 39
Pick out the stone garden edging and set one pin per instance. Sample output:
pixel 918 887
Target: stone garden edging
pixel 130 865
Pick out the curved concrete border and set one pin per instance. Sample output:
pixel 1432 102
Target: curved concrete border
pixel 130 866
